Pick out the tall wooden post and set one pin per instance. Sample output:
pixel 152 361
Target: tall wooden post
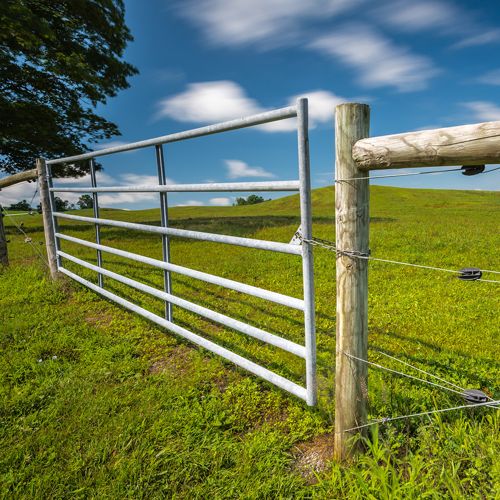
pixel 352 229
pixel 48 222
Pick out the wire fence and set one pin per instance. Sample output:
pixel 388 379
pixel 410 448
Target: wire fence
pixel 27 239
pixel 474 398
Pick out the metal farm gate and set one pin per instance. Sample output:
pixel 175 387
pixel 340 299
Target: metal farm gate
pixel 306 304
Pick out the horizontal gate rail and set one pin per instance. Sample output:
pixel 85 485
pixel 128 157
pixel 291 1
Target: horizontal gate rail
pixel 254 291
pixel 252 367
pixel 273 246
pixel 187 188
pixel 250 121
pixel 257 333
pixel 302 185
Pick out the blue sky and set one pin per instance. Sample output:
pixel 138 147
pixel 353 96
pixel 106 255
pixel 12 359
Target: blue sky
pixel 418 63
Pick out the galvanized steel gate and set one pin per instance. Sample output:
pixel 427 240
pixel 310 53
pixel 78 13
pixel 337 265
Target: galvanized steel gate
pixel 308 352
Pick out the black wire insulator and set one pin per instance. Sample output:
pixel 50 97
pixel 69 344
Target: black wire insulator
pixel 474 396
pixel 470 274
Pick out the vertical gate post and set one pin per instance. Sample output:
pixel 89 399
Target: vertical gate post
pixel 48 220
pixel 95 206
pixel 352 230
pixel 307 255
pixel 165 240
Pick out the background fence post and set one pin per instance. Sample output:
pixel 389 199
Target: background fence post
pixel 48 221
pixel 352 230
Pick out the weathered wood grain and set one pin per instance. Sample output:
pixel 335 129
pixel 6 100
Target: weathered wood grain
pixel 476 144
pixel 48 222
pixel 16 178
pixel 352 231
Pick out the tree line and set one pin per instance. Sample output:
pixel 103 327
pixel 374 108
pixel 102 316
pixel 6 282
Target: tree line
pixel 85 201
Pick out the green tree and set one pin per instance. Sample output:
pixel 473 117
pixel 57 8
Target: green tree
pixel 61 205
pixel 85 201
pixel 250 200
pixel 21 205
pixel 58 60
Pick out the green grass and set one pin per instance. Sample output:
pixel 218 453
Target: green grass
pixel 96 402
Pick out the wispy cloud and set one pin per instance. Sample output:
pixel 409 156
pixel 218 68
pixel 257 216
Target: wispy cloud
pixel 211 102
pixel 221 202
pixel 483 38
pixel 24 190
pixel 442 17
pixel 208 102
pixel 321 105
pixel 110 144
pixel 268 23
pixel 131 179
pixel 421 15
pixel 484 111
pixel 490 78
pixel 190 203
pixel 18 192
pixel 378 61
pixel 103 179
pixel 142 180
pixel 237 169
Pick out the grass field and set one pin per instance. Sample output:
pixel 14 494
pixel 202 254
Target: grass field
pixel 96 402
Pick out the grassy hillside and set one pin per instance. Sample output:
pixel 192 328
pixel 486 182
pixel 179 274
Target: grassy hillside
pixel 97 402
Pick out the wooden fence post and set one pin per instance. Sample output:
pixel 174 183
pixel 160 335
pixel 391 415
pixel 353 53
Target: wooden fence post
pixel 48 223
pixel 352 230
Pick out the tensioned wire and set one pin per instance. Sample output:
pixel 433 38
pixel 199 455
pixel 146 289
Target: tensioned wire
pixel 407 174
pixel 403 374
pixel 462 391
pixel 331 246
pixel 418 369
pixel 27 238
pixel 492 404
pixel 427 373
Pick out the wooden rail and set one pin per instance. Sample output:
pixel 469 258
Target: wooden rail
pixel 5 182
pixel 476 144
pixel 29 175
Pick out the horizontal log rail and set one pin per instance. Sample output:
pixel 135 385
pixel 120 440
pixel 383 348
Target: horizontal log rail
pixel 476 144
pixel 29 175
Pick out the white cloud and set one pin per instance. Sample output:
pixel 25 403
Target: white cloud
pixel 24 190
pixel 110 199
pixel 131 179
pixel 266 22
pixel 484 111
pixel 440 17
pixel 321 105
pixel 18 192
pixel 377 59
pixel 484 37
pixel 490 78
pixel 190 203
pixel 102 178
pixel 411 15
pixel 110 144
pixel 211 102
pixel 221 202
pixel 237 169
